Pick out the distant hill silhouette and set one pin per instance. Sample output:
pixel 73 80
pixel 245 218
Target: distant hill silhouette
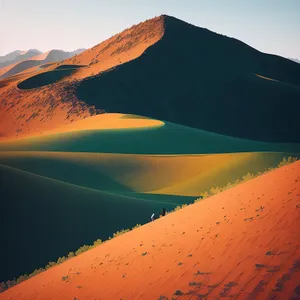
pixel 53 56
pixel 17 56
pixel 198 78
pixel 10 56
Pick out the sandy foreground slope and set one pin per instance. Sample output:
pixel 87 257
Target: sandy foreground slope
pixel 241 244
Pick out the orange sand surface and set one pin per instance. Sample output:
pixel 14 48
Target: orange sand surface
pixel 108 121
pixel 102 122
pixel 241 244
pixel 27 112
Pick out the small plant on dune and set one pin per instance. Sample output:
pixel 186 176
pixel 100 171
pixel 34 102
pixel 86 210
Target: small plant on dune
pixel 82 249
pixel 136 226
pixel 178 293
pixel 50 264
pixel 61 259
pixel 97 242
pixel 177 208
pixel 118 233
pixel 285 161
pixel 247 177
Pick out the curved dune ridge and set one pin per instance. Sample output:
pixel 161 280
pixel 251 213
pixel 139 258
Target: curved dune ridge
pixel 242 243
pixel 132 57
pixel 97 186
pixel 181 175
pixel 58 106
pixel 132 134
pixel 51 218
pixel 105 121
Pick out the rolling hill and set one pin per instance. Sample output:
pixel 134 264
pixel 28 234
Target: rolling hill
pixel 242 243
pixel 110 159
pixel 17 56
pixel 207 81
pixel 169 70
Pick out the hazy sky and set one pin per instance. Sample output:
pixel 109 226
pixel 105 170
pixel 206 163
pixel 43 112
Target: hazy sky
pixel 271 26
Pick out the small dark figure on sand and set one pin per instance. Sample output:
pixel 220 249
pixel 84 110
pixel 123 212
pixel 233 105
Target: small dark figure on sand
pixel 163 212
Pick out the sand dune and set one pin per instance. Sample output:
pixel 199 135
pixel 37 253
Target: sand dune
pixel 47 218
pixel 147 70
pixel 182 175
pixel 242 243
pixel 131 134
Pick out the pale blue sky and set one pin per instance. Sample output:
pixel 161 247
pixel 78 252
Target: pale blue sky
pixel 271 26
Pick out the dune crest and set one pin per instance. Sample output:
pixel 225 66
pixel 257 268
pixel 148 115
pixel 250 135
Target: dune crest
pixel 241 243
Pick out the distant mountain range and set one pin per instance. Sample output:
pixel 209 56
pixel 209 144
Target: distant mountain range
pixel 19 61
pixel 16 56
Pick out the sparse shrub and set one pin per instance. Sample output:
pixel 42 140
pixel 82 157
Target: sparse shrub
pixel 285 161
pixel 82 249
pixel 178 293
pixel 118 233
pixel 97 242
pixel 22 278
pixel 61 260
pixel 136 226
pixel 247 177
pixel 50 264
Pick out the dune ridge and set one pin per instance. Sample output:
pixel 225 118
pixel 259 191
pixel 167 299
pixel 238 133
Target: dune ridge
pixel 103 84
pixel 240 243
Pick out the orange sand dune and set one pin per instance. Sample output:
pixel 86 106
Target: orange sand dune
pixel 241 244
pixel 27 112
pixel 120 48
pixel 102 122
pixel 108 121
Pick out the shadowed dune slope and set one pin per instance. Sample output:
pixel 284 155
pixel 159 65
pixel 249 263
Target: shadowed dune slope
pixel 198 78
pixel 46 218
pixel 57 104
pixel 118 133
pixel 169 70
pixel 243 243
pixel 46 78
pixel 182 175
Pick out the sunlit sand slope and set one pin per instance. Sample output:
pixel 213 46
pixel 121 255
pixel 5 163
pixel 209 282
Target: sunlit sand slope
pixel 131 134
pixel 243 244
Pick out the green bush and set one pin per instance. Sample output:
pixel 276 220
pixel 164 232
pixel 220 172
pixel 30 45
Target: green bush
pixel 118 233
